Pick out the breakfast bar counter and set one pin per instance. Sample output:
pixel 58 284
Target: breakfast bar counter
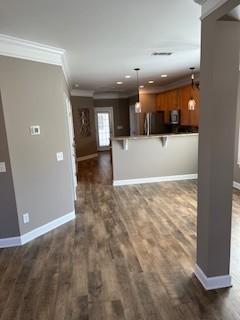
pixel 154 158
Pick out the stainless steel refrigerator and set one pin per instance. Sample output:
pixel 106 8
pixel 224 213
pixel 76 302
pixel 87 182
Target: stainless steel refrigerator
pixel 154 123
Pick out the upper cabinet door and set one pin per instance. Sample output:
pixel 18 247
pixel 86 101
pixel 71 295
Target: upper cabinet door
pixel 178 99
pixel 184 98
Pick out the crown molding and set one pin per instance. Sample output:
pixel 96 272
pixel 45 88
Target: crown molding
pixel 173 85
pixel 98 95
pixel 153 90
pixel 33 51
pixel 209 6
pixel 110 95
pixel 82 93
pixel 124 95
pixel 179 83
pixel 201 2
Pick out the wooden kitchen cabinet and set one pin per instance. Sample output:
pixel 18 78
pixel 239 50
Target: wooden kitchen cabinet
pixel 178 99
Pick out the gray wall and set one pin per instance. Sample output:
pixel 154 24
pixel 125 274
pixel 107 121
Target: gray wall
pixel 120 114
pixel 33 94
pixel 236 166
pixel 84 145
pixel 88 145
pixel 219 86
pixel 8 210
pixel 147 158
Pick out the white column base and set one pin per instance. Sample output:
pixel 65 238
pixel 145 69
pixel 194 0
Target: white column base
pixel 211 283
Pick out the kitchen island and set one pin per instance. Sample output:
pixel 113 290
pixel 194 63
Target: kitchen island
pixel 154 158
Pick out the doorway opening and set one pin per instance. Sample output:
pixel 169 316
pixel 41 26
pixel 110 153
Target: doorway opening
pixel 104 127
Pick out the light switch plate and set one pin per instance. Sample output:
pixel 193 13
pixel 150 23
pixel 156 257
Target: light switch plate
pixel 26 218
pixel 59 156
pixel 35 130
pixel 2 167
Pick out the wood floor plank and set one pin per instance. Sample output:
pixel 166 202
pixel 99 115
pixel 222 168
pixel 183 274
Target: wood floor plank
pixel 129 255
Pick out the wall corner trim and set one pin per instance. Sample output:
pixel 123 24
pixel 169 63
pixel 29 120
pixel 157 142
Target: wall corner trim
pixel 154 180
pixel 90 156
pixel 212 283
pixel 27 237
pixel 34 51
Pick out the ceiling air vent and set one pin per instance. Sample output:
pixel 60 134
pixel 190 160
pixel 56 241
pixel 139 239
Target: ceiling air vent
pixel 156 53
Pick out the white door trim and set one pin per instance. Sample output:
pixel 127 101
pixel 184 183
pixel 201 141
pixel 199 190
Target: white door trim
pixel 104 109
pixel 71 143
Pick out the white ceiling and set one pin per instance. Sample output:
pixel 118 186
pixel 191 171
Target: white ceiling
pixel 106 39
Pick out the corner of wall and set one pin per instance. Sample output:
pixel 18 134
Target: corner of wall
pixel 42 185
pixel 9 225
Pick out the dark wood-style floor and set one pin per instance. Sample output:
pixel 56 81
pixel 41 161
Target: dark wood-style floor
pixel 129 255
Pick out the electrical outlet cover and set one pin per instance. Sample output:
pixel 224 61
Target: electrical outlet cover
pixel 35 130
pixel 2 167
pixel 26 218
pixel 59 156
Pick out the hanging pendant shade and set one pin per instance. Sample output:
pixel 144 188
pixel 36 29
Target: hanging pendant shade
pixel 192 103
pixel 138 107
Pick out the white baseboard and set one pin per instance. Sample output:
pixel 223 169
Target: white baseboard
pixel 236 185
pixel 90 156
pixel 10 242
pixel 27 237
pixel 47 227
pixel 154 179
pixel 212 283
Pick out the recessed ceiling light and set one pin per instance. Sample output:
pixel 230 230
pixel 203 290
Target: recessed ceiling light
pixel 119 82
pixel 76 85
pixel 164 76
pixel 151 81
pixel 127 77
pixel 141 87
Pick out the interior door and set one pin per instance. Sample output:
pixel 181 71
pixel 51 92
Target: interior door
pixel 72 144
pixel 104 127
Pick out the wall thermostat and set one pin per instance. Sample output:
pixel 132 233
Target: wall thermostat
pixel 35 130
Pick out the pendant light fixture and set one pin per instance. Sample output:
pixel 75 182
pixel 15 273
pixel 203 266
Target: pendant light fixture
pixel 138 104
pixel 192 103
